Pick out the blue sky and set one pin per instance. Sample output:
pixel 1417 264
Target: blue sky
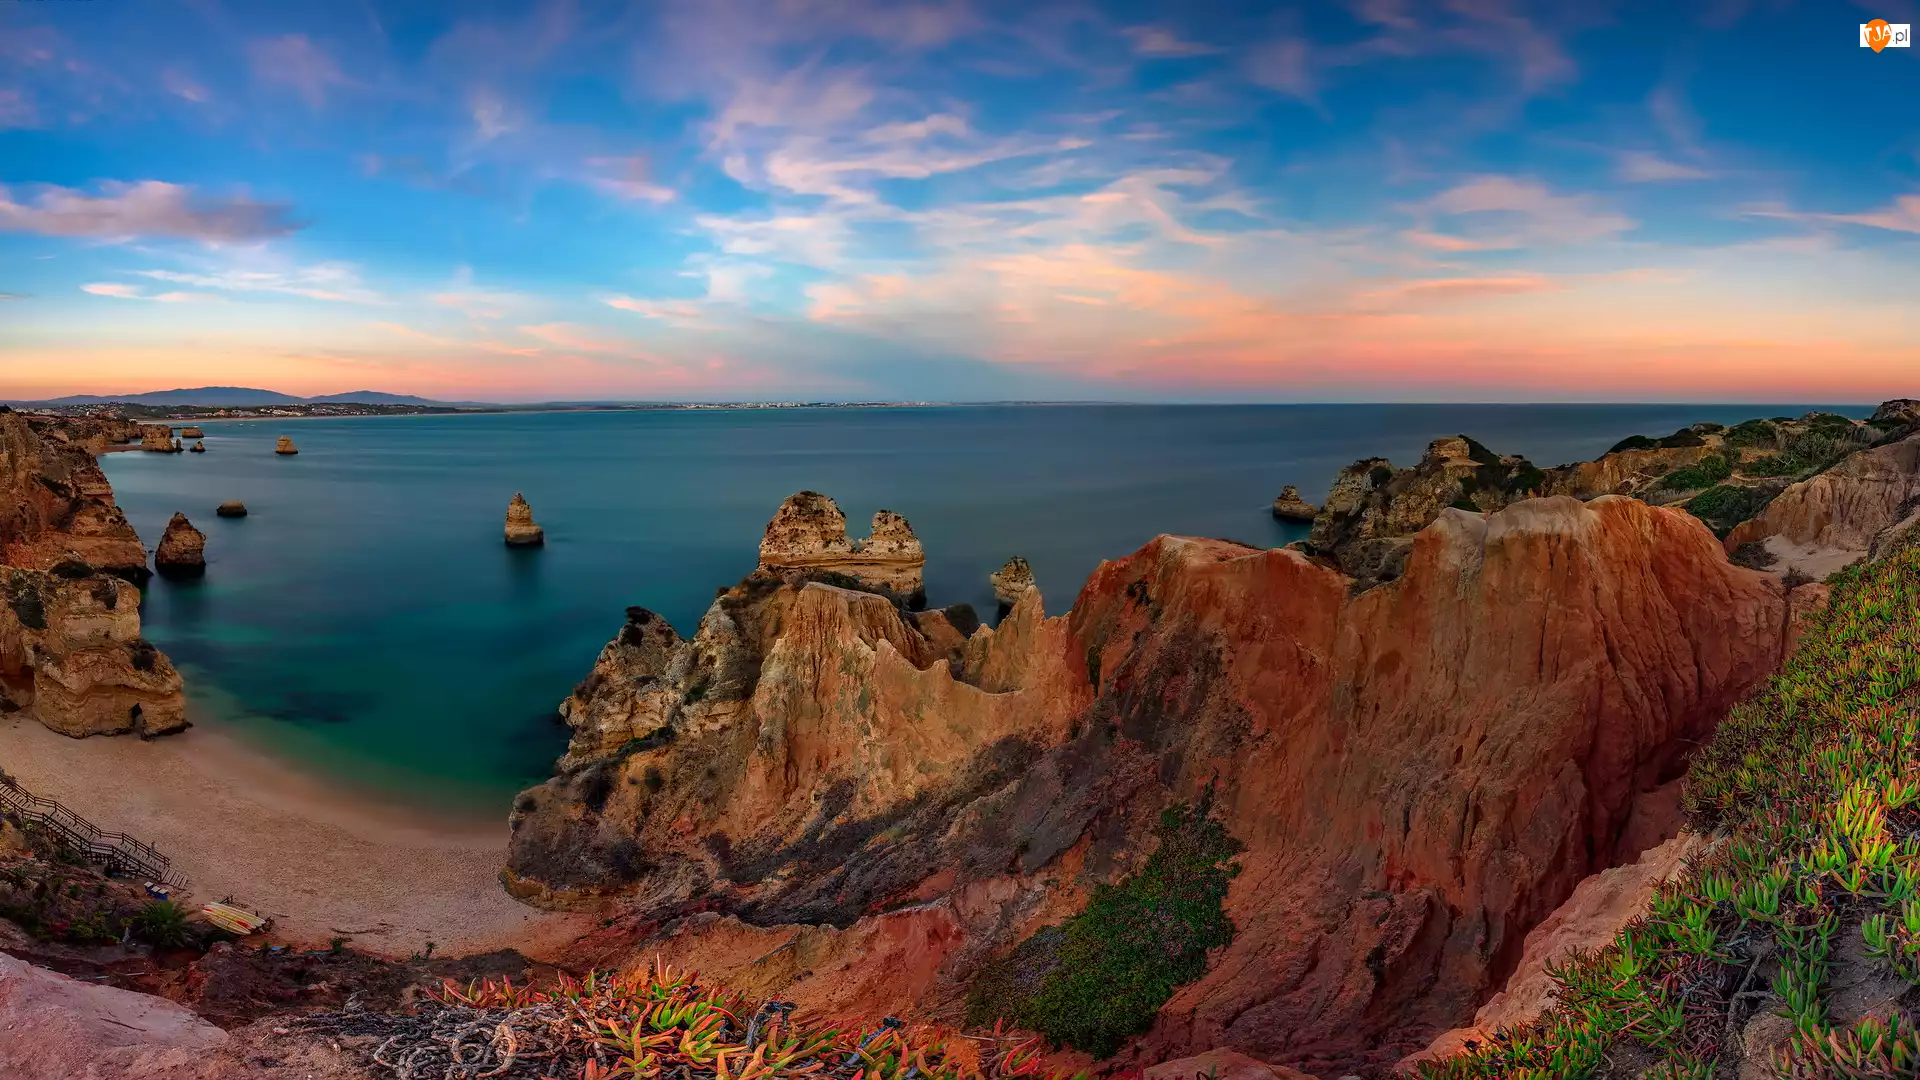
pixel 1369 200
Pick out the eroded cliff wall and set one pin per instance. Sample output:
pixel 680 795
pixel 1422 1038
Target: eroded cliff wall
pixel 71 653
pixel 1420 773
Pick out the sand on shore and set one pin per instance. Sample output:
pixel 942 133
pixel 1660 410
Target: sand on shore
pixel 323 863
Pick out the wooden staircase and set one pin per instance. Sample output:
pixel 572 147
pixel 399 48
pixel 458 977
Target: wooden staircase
pixel 115 853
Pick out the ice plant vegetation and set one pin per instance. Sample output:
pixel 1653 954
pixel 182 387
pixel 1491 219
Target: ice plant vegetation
pixel 656 1022
pixel 1812 790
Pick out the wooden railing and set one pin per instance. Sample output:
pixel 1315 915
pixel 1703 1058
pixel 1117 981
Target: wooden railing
pixel 116 853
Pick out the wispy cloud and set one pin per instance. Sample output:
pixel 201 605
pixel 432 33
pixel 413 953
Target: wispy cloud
pixel 1641 167
pixel 1901 215
pixel 121 291
pixel 318 281
pixel 147 208
pixel 1159 42
pixel 296 62
pixel 1502 212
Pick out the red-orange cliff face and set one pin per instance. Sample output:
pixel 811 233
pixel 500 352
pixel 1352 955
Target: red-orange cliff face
pixel 1420 773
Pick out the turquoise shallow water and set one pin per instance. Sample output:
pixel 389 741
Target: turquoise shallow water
pixel 367 622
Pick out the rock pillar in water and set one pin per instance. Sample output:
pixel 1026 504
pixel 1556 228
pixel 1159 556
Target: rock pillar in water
pixel 1011 582
pixel 521 531
pixel 198 447
pixel 232 508
pixel 285 446
pixel 182 550
pixel 1291 507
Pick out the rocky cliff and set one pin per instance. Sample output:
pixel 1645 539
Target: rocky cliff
pixel 1833 519
pixel 70 647
pixel 1419 773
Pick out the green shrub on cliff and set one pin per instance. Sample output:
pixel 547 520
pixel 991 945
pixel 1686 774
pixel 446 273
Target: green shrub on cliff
pixel 1810 900
pixel 1726 505
pixel 1704 473
pixel 1100 977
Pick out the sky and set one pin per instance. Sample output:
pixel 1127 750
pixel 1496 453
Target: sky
pixel 1467 200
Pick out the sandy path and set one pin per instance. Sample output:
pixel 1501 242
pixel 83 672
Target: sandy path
pixel 320 861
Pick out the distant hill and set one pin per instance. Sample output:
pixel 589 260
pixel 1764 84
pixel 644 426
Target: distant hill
pixel 232 396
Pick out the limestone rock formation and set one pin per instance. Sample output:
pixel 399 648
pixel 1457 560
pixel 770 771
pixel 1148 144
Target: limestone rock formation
pixel 70 647
pixel 521 531
pixel 232 508
pixel 1588 920
pixel 285 445
pixel 1291 507
pixel 197 448
pixel 157 438
pixel 192 433
pixel 1011 582
pixel 1898 413
pixel 182 550
pixel 809 532
pixel 1420 773
pixel 1373 510
pixel 1833 519
pixel 56 505
pixel 71 655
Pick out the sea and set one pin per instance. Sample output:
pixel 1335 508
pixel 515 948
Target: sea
pixel 366 622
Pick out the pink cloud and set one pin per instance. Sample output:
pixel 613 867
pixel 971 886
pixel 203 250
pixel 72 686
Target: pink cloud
pixel 294 61
pixel 146 208
pixel 133 292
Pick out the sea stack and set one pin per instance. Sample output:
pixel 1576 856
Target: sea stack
pixel 182 551
pixel 809 532
pixel 285 446
pixel 1011 582
pixel 198 447
pixel 191 433
pixel 1291 507
pixel 232 508
pixel 156 438
pixel 521 531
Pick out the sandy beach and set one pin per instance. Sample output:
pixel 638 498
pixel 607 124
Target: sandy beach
pixel 321 862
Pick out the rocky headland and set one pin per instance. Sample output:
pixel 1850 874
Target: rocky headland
pixel 71 654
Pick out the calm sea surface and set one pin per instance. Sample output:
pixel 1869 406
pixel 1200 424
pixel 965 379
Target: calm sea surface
pixel 367 622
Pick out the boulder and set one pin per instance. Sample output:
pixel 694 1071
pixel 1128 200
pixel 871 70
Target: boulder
pixel 1011 582
pixel 521 531
pixel 1291 507
pixel 182 550
pixel 198 447
pixel 56 1028
pixel 285 445
pixel 232 508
